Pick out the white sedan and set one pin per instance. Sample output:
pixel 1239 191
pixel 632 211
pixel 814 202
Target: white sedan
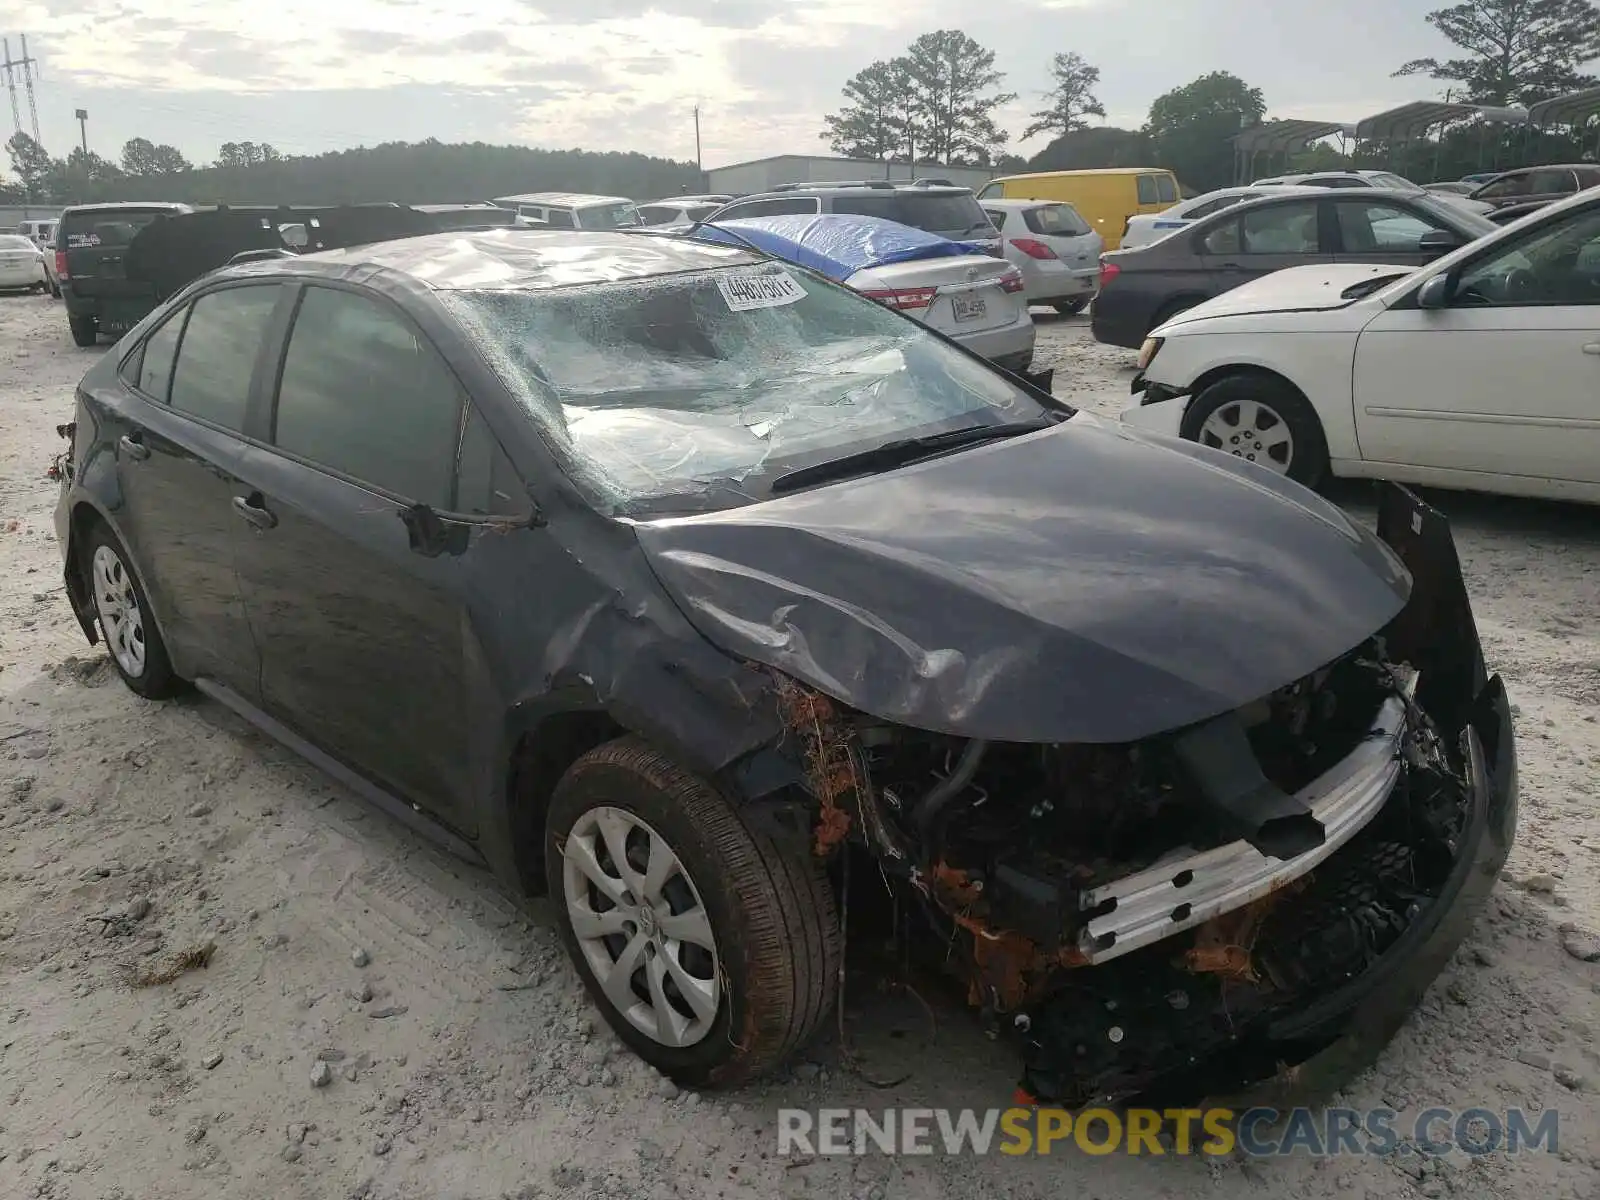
pixel 1480 371
pixel 22 264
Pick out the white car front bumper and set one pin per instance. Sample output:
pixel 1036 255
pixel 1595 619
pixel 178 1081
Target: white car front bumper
pixel 1164 416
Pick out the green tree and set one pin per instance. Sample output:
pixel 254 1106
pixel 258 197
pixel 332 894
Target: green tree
pixel 1191 128
pixel 31 163
pixel 138 156
pixel 874 121
pixel 1100 146
pixel 952 81
pixel 1071 101
pixel 1517 52
pixel 82 176
pixel 142 157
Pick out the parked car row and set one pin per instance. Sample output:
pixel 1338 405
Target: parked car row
pixel 1477 370
pixel 1247 238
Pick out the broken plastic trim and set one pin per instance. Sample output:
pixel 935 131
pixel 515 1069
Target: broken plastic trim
pixel 1185 891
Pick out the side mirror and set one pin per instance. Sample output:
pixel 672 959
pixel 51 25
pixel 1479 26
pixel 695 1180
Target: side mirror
pixel 1440 241
pixel 1436 292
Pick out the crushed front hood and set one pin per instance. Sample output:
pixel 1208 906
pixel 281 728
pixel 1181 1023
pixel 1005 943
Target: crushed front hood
pixel 1092 583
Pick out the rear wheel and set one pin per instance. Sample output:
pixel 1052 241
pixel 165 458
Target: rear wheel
pixel 1263 420
pixel 130 634
pixel 1071 308
pixel 85 330
pixel 710 945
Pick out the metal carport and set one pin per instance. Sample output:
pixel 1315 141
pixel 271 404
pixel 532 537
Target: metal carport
pixel 1277 137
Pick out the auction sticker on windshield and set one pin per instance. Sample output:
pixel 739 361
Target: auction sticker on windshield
pixel 770 290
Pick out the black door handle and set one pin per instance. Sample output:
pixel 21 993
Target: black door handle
pixel 133 447
pixel 253 509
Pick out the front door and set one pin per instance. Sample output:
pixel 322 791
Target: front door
pixel 1382 231
pixel 362 630
pixel 1506 378
pixel 177 457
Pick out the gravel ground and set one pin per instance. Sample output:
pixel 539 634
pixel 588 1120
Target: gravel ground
pixel 377 1020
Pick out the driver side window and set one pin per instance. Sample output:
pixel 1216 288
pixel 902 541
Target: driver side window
pixel 1559 264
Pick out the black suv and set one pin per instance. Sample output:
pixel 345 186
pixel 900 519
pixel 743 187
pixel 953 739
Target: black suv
pixel 92 243
pixel 668 578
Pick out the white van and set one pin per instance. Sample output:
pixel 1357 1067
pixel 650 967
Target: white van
pixel 572 210
pixel 40 233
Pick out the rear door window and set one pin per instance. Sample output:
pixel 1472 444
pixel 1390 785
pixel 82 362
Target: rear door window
pixel 1552 183
pixel 1056 220
pixel 105 230
pixel 1148 192
pixel 948 214
pixel 1280 229
pixel 785 206
pixel 217 353
pixel 559 218
pixel 363 393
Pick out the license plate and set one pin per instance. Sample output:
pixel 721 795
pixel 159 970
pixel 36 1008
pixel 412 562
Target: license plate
pixel 968 307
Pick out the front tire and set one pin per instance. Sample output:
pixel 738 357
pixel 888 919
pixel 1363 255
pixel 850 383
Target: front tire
pixel 711 946
pixel 123 613
pixel 85 330
pixel 1263 420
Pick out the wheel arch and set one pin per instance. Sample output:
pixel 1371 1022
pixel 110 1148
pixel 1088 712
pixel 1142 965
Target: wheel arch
pixel 540 754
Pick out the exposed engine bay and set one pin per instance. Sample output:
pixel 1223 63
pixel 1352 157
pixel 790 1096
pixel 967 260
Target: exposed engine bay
pixel 1128 911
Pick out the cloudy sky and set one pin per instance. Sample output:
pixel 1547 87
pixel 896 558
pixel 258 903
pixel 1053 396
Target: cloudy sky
pixel 312 75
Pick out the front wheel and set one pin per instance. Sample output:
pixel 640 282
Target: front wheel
pixel 1262 420
pixel 85 330
pixel 711 946
pixel 129 632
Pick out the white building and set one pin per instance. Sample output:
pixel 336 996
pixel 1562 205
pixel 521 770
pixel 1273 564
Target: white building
pixel 740 179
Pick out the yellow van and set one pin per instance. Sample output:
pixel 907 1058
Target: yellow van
pixel 1106 198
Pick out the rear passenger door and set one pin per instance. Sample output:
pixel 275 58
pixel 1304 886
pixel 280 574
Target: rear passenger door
pixel 362 623
pixel 1264 239
pixel 179 451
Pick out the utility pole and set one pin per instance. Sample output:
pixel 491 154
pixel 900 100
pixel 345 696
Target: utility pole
pixel 699 165
pixel 83 128
pixel 11 86
pixel 28 63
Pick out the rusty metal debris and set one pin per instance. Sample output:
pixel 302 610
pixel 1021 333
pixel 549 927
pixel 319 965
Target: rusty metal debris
pixel 1008 968
pixel 831 764
pixel 194 959
pixel 1224 945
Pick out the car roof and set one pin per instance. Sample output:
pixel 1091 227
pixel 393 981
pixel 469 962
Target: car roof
pixel 127 206
pixel 856 187
pixel 1086 171
pixel 563 199
pixel 996 202
pixel 511 259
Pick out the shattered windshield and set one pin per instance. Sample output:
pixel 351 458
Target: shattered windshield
pixel 716 381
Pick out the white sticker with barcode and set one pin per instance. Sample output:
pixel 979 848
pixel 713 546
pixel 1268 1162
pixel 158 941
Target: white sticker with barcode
pixel 768 290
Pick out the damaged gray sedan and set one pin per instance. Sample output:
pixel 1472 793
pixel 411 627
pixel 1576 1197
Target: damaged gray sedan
pixel 667 578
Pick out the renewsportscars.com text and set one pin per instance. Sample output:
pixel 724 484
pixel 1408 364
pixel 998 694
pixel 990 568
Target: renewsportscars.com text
pixel 1256 1132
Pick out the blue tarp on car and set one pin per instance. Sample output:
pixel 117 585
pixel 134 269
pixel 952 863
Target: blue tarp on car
pixel 835 245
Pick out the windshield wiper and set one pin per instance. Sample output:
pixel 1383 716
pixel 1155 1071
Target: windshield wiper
pixel 900 452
